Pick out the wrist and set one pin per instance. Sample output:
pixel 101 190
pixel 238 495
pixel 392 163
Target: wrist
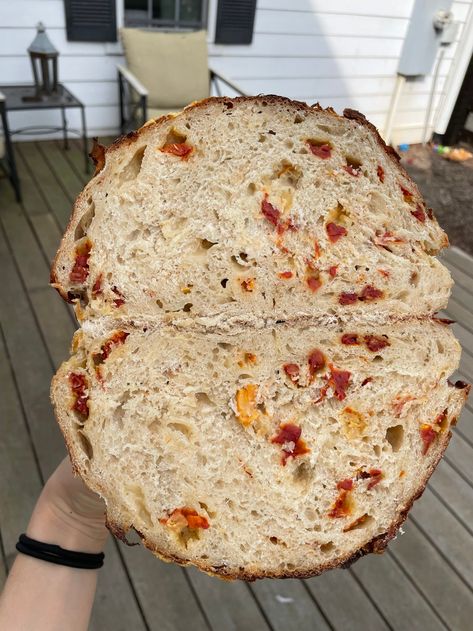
pixel 53 521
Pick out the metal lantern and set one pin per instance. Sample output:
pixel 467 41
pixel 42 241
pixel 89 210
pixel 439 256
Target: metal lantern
pixel 43 57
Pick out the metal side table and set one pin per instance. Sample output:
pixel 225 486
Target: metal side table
pixel 22 97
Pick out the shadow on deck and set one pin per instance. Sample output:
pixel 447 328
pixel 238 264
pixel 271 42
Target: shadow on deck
pixel 424 581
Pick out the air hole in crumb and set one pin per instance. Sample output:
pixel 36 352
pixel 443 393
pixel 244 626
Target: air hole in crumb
pixel 86 445
pixel 206 245
pixel 395 436
pixel 377 358
pixel 440 347
pixel 289 143
pixel 240 260
pixel 203 398
pixel 174 137
pixel 362 522
pixel 224 282
pixel 183 429
pixel 225 345
pixel 353 162
pixel 310 514
pixel 298 118
pixel 261 138
pixel 118 414
pixel 325 548
pixel 159 303
pixel 133 168
pixel 187 307
pixel 303 472
pixel 377 450
pixel 252 188
pixel 84 223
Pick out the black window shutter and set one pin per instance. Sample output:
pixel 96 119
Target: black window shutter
pixel 91 20
pixel 235 21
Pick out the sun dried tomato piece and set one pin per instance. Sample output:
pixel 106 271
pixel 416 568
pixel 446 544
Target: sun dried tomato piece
pixel 115 340
pixel 247 412
pixel 347 298
pixel 323 151
pixel 79 385
pixel 314 283
pixel 407 195
pixel 345 485
pixel 97 286
pixel 181 518
pixel 248 359
pixel 375 342
pixel 179 149
pixel 428 435
pixel 288 433
pixel 270 212
pixel 351 170
pixel 335 231
pixel 380 173
pixel 371 293
pixel 418 213
pixel 333 270
pixel 248 284
pixel 441 420
pixel 316 361
pixel 388 237
pixel 343 505
pixel 350 339
pixel 339 380
pixel 285 275
pixel 292 371
pixel 289 436
pixel 80 269
pixel 118 302
pixel 376 476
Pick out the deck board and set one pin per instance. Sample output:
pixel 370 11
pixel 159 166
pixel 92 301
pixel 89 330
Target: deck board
pixel 426 577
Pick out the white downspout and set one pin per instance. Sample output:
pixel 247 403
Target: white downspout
pixel 388 127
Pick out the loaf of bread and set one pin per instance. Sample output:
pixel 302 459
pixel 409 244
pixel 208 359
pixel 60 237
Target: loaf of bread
pixel 259 386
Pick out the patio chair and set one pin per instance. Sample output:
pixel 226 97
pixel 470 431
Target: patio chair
pixel 165 72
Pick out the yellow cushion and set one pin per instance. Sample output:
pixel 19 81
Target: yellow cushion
pixel 172 66
pixel 156 113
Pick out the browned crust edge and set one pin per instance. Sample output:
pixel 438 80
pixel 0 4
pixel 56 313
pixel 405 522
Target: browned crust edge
pixel 377 545
pixel 99 153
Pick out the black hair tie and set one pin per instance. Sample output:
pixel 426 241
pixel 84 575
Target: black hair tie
pixel 55 554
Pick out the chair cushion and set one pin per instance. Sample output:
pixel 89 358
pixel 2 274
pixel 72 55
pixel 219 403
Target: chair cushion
pixel 172 66
pixel 153 112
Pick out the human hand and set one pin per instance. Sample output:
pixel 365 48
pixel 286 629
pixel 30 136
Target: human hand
pixel 68 513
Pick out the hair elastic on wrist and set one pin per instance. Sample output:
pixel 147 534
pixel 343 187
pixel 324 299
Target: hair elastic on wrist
pixel 55 554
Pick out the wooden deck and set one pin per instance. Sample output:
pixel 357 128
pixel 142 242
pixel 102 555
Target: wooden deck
pixel 424 581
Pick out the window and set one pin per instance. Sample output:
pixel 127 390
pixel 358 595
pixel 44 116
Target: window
pixel 178 14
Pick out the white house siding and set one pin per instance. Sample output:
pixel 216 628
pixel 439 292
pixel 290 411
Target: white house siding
pixel 338 52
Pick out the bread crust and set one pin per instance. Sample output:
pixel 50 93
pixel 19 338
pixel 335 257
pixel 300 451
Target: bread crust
pixel 119 529
pixel 135 136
